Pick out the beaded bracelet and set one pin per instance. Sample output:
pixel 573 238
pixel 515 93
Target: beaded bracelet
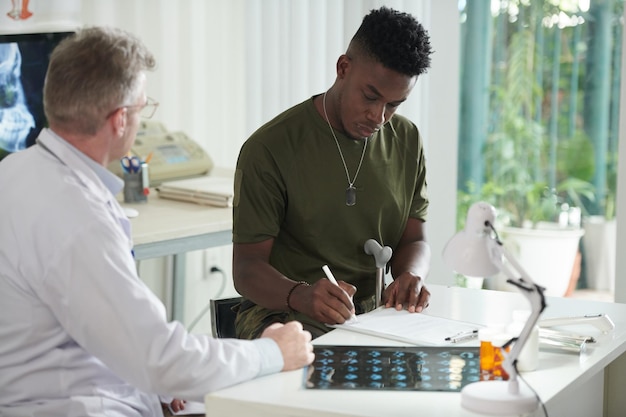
pixel 296 285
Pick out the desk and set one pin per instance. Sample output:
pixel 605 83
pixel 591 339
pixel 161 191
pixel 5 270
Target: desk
pixel 167 227
pixel 172 228
pixel 569 384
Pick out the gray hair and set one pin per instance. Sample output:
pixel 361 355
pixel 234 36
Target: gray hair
pixel 91 73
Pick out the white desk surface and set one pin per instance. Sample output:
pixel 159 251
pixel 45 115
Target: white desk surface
pixel 168 227
pixel 558 374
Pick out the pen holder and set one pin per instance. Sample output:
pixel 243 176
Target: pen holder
pixel 137 185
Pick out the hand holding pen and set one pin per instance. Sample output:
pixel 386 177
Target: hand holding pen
pixel 332 279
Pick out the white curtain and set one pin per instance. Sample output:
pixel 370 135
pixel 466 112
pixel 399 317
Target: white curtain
pixel 226 67
pixel 292 48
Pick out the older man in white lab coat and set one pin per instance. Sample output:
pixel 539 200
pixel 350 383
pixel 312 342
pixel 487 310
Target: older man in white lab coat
pixel 80 334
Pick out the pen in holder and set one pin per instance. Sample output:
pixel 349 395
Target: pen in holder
pixel 136 180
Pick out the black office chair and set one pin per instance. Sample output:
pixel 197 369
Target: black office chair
pixel 223 317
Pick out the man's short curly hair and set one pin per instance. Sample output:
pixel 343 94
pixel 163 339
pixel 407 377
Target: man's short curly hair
pixel 395 39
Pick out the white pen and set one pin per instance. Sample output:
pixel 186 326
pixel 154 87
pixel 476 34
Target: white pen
pixel 329 275
pixel 332 279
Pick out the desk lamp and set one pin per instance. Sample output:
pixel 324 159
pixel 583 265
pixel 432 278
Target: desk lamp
pixel 478 251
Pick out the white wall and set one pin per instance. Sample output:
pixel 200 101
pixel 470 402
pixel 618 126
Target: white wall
pixel 200 48
pixel 442 122
pixel 620 282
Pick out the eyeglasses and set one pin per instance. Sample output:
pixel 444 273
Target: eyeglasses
pixel 146 110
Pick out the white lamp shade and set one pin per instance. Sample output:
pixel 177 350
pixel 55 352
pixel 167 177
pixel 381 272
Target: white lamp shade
pixel 473 251
pixel 469 256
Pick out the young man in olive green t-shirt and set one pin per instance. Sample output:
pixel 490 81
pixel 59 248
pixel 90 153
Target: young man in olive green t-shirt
pixel 322 178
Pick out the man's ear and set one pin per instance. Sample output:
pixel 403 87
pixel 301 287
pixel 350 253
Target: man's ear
pixel 343 63
pixel 118 121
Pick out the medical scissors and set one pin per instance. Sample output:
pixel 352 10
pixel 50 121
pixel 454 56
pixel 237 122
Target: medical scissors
pixel 131 164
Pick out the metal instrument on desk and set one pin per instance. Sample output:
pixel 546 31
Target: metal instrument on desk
pixel 600 321
pixel 561 341
pixel 382 255
pixel 576 343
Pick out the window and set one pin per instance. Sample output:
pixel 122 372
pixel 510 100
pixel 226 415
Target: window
pixel 540 83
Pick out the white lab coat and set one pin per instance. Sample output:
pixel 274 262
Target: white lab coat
pixel 80 333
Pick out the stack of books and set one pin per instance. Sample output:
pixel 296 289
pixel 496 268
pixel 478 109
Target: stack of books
pixel 207 190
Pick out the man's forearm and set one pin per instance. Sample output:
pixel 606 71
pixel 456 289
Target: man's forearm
pixel 262 284
pixel 412 257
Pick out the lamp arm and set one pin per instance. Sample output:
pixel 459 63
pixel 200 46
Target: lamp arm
pixel 535 296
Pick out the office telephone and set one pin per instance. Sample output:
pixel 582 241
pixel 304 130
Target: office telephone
pixel 173 154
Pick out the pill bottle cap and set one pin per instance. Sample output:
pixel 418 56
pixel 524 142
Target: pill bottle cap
pixel 487 333
pixel 500 339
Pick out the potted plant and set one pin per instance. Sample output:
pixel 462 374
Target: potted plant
pixel 540 223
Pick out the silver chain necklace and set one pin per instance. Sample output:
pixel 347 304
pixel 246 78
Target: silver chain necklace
pixel 351 190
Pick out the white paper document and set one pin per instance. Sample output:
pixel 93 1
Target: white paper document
pixel 413 328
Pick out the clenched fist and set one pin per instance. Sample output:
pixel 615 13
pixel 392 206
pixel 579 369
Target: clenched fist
pixel 294 343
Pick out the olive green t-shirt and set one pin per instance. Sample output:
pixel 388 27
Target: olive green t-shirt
pixel 290 185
